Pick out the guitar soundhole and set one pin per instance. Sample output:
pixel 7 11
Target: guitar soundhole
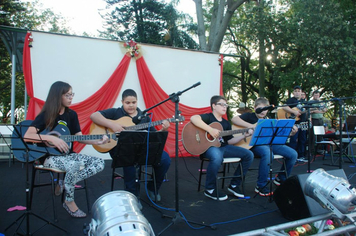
pixel 209 137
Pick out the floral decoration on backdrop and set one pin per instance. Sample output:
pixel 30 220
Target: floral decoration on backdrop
pixel 132 48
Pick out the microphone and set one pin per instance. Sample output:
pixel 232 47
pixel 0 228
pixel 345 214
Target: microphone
pixel 137 119
pixel 261 109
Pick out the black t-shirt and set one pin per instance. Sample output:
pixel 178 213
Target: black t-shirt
pixel 249 117
pixel 294 102
pixel 209 118
pixel 117 113
pixel 69 118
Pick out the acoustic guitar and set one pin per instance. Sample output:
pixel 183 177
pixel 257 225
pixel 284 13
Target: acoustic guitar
pixel 282 114
pixel 128 124
pixel 32 151
pixel 196 140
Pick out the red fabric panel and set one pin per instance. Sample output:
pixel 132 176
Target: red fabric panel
pixel 104 98
pixel 221 78
pixel 35 104
pixel 152 95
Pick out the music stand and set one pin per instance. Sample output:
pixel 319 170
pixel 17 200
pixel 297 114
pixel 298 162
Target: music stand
pixel 20 146
pixel 133 148
pixel 271 132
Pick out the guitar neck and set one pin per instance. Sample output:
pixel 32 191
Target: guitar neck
pixel 73 138
pixel 231 132
pixel 145 125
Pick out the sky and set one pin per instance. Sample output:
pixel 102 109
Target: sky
pixel 87 19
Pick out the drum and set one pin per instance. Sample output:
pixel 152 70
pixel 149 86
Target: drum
pixel 118 213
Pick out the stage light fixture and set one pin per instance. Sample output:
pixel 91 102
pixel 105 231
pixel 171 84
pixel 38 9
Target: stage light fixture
pixel 118 213
pixel 331 192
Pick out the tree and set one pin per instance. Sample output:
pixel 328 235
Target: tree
pixel 148 21
pixel 219 17
pixel 26 16
pixel 308 42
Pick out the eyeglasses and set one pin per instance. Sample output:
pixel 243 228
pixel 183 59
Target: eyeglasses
pixel 69 95
pixel 222 104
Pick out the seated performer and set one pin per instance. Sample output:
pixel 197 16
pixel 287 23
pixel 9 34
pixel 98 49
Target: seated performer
pixel 129 108
pixel 216 154
pixel 249 120
pixel 77 166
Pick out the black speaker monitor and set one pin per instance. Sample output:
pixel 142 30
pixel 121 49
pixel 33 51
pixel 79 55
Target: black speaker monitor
pixel 293 203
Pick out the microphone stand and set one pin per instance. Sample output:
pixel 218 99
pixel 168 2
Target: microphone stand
pixel 341 103
pixel 309 136
pixel 177 217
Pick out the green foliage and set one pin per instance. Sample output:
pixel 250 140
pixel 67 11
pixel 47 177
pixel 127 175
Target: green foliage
pixel 308 42
pixel 148 21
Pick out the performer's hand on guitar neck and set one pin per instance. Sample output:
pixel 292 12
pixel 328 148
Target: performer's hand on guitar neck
pixel 104 140
pixel 250 132
pixel 165 125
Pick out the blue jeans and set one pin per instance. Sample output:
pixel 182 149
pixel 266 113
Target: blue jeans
pixel 264 152
pixel 160 171
pixel 216 156
pixel 297 142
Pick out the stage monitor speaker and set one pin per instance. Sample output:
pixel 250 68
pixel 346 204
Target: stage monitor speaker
pixel 293 203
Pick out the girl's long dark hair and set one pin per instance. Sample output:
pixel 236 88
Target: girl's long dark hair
pixel 53 102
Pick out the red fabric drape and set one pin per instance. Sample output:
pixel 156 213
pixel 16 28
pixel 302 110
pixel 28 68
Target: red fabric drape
pixel 153 94
pixel 221 60
pixel 35 104
pixel 104 98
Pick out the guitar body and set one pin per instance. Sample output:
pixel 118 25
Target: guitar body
pixel 35 150
pixel 97 129
pixel 282 114
pixel 196 141
pixel 244 143
pixel 125 121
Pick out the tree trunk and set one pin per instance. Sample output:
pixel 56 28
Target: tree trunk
pixel 219 22
pixel 262 56
pixel 201 26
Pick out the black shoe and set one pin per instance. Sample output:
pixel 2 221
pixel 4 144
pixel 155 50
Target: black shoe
pixel 236 191
pixel 264 192
pixel 214 196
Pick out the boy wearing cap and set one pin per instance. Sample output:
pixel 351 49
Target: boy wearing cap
pixel 317 114
pixel 301 135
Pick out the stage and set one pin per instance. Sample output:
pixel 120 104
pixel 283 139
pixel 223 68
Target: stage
pixel 221 218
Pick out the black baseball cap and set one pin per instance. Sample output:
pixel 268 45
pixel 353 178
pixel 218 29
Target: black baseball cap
pixel 297 87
